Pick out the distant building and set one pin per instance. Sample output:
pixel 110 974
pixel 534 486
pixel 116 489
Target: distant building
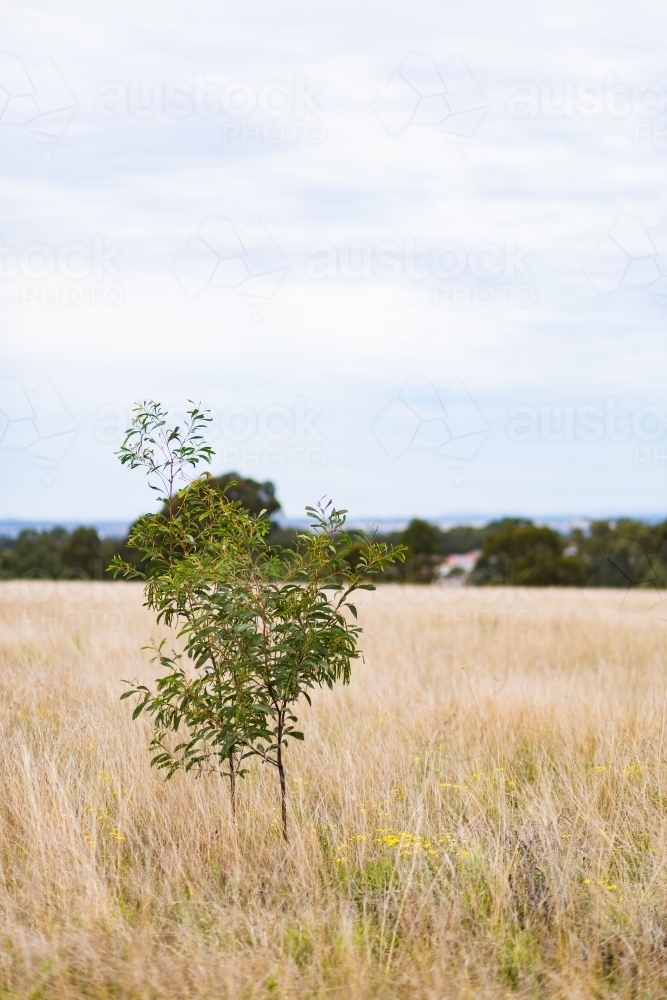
pixel 458 566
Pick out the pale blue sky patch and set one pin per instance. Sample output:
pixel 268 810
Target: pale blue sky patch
pixel 412 257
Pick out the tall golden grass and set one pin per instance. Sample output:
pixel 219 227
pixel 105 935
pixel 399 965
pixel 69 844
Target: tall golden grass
pixel 482 813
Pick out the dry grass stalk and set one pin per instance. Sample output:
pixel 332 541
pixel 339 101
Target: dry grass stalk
pixel 480 814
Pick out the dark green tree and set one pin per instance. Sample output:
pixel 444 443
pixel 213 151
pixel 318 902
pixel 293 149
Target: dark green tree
pixel 423 542
pixel 37 554
pixel 462 538
pixel 422 538
pixel 259 499
pixel 519 553
pixel 623 553
pixel 81 554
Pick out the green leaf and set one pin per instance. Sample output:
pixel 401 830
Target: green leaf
pixel 139 709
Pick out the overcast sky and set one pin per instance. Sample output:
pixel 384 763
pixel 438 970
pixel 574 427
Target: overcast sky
pixel 411 256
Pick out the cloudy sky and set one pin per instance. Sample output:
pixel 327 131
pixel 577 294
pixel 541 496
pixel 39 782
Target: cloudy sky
pixel 411 256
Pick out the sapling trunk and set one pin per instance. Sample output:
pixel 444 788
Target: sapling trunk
pixel 232 785
pixel 281 773
pixel 283 795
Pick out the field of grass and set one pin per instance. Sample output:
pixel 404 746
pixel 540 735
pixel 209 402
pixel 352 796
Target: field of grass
pixel 482 813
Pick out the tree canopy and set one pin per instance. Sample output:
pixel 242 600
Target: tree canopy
pixel 519 553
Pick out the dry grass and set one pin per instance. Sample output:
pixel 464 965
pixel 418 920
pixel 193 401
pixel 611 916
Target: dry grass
pixel 481 814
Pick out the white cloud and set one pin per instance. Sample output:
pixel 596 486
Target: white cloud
pixel 151 182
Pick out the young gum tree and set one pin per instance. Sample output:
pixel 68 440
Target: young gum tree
pixel 257 626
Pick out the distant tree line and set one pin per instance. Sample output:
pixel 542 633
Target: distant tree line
pixel 513 551
pixel 57 554
pixel 517 552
